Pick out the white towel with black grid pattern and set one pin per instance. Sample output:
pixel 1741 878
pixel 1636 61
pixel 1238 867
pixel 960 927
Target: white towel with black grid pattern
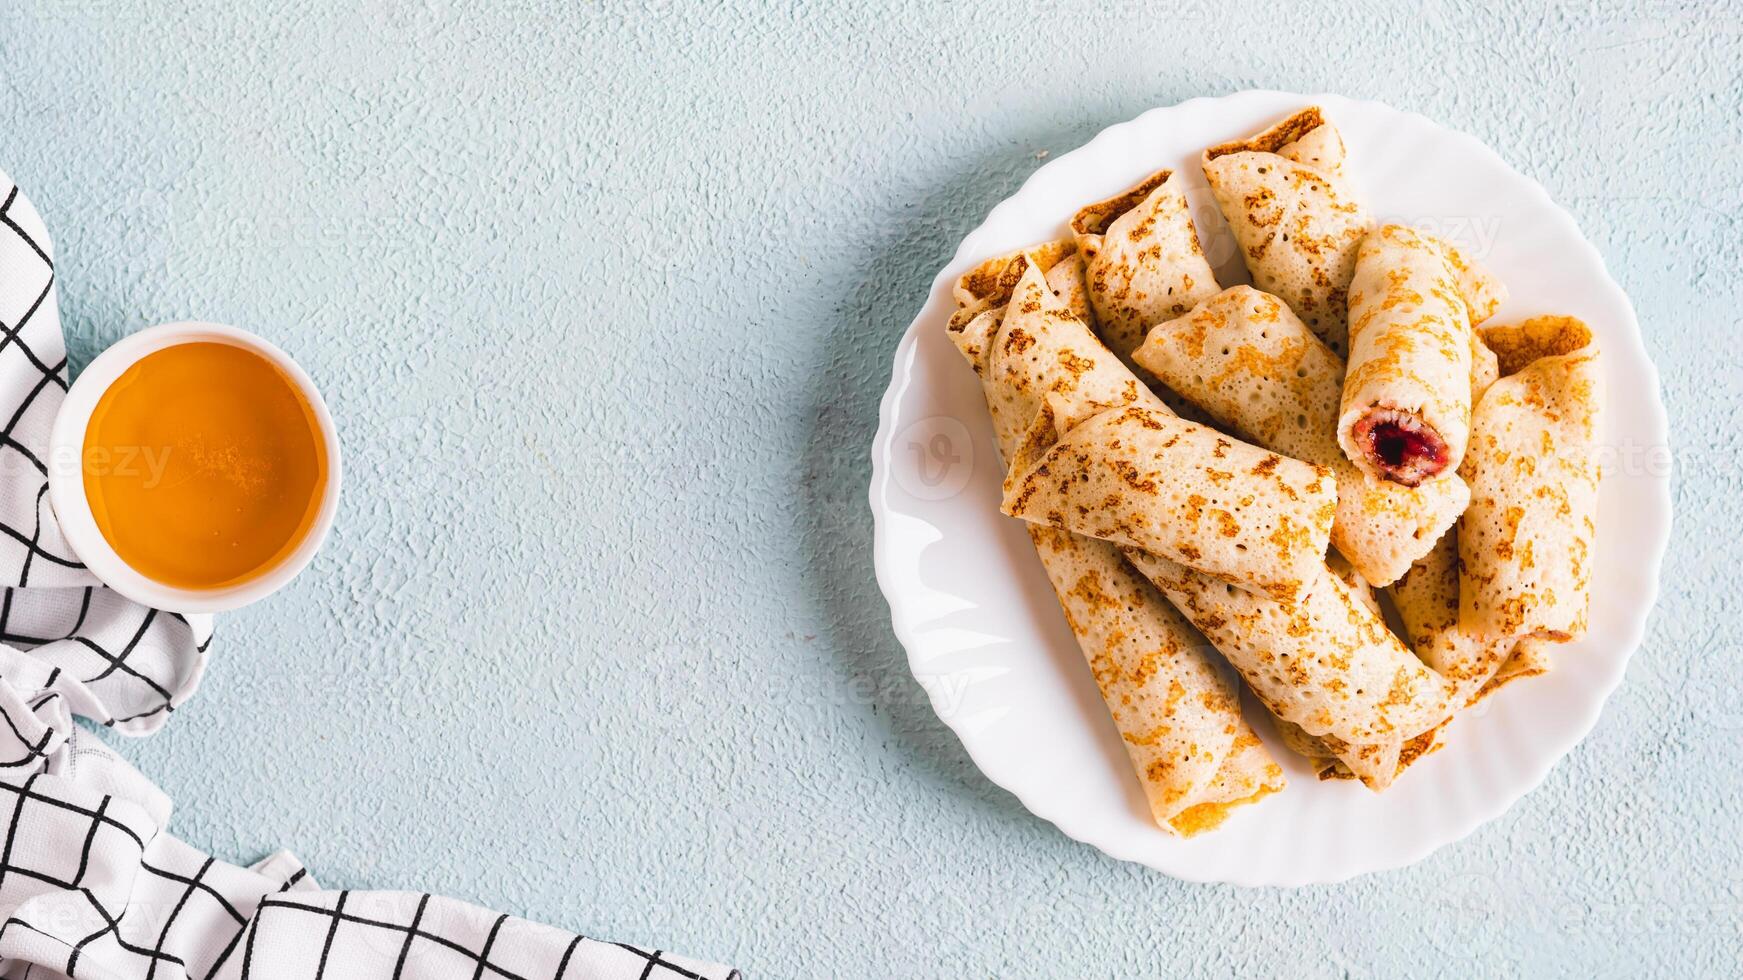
pixel 90 884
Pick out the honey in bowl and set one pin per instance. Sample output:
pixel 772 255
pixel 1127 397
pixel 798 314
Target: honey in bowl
pixel 204 465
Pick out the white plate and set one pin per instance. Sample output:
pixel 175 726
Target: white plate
pixel 988 642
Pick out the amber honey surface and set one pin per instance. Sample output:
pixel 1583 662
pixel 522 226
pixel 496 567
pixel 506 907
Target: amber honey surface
pixel 204 465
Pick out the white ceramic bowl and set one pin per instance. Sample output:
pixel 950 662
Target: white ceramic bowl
pixel 985 636
pixel 67 483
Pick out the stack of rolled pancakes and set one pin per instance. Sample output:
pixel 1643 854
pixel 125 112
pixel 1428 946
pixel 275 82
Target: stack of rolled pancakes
pixel 1220 478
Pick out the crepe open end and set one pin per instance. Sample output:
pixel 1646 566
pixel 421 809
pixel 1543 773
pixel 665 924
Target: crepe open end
pixel 1405 411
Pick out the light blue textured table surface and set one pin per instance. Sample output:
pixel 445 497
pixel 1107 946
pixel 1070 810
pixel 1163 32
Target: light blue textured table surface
pixel 604 296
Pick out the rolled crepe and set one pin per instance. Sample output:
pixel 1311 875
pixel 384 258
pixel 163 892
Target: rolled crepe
pixel 1177 714
pixel 1144 478
pixel 1376 764
pixel 1413 748
pixel 1525 542
pixel 1427 599
pixel 1406 407
pixel 1320 752
pixel 1297 222
pixel 1325 663
pixel 1247 360
pixel 1143 259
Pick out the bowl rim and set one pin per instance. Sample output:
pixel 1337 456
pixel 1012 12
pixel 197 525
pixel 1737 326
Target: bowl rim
pixel 72 507
pixel 1656 521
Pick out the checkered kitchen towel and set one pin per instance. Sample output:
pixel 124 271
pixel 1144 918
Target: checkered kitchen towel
pixel 90 884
